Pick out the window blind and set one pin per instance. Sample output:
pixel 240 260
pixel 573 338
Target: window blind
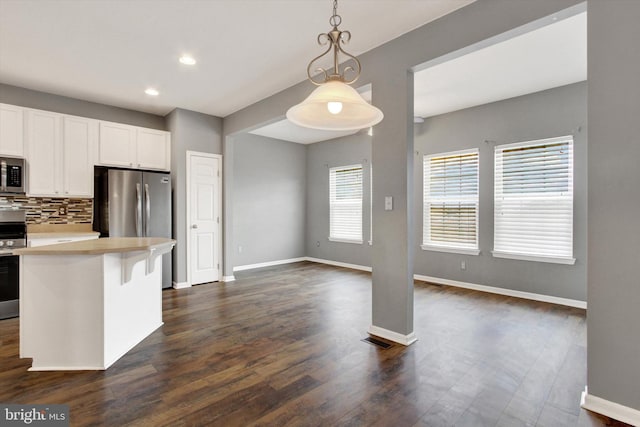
pixel 450 210
pixel 533 198
pixel 345 203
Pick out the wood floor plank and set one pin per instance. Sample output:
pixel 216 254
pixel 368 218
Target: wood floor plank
pixel 281 346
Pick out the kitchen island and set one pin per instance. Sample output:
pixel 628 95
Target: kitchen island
pixel 84 304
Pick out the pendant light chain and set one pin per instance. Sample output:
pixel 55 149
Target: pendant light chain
pixel 335 19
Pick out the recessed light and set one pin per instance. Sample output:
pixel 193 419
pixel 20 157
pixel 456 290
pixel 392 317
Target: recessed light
pixel 187 60
pixel 152 92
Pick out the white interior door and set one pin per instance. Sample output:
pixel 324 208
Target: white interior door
pixel 204 217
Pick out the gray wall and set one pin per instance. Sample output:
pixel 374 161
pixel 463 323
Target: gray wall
pixel 387 68
pixel 613 351
pixel 269 199
pixel 195 132
pixel 61 104
pixel 350 150
pixel 556 112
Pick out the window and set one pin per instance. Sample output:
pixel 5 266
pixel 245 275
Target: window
pixel 533 200
pixel 450 210
pixel 345 204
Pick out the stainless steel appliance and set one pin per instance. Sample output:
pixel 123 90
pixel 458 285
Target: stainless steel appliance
pixel 13 235
pixel 12 175
pixel 133 203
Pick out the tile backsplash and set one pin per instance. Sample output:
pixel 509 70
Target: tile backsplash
pixel 47 210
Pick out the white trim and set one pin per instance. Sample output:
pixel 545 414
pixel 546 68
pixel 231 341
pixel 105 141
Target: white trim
pixel 66 368
pixel 339 264
pixel 610 409
pixel 355 242
pixel 449 249
pixel 268 264
pixel 392 336
pixel 522 257
pixel 228 278
pixel 181 285
pixel 188 155
pixel 503 291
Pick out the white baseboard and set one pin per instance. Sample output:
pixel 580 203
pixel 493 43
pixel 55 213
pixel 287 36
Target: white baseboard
pixel 393 336
pixel 339 264
pixel 437 280
pixel 229 278
pixel 268 264
pixel 181 285
pixel 504 291
pixel 610 409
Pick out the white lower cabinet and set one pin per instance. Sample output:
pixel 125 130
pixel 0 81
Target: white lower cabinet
pixel 59 154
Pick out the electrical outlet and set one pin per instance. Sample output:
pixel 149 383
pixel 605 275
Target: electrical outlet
pixel 62 210
pixel 463 265
pixel 239 249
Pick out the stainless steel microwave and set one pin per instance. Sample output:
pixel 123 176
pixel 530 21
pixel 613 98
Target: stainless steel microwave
pixel 12 175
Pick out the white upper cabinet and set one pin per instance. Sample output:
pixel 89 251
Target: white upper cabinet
pixel 153 149
pixel 11 130
pixel 59 154
pixel 79 137
pixel 117 145
pixel 44 145
pixel 134 147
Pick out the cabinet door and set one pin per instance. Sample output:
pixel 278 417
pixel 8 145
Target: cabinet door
pixel 77 142
pixel 152 149
pixel 11 130
pixel 44 153
pixel 117 145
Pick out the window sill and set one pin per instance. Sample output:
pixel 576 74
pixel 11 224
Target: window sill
pixel 523 257
pixel 355 242
pixel 452 250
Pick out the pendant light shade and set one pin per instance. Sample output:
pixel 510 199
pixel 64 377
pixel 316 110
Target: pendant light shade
pixel 334 106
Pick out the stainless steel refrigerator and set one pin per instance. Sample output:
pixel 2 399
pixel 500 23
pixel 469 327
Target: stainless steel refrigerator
pixel 133 203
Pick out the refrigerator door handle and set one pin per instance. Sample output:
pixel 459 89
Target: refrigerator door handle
pixel 147 209
pixel 138 210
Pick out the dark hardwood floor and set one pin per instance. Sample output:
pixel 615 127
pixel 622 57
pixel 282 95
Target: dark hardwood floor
pixel 282 346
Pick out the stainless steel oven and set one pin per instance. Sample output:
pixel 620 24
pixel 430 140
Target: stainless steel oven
pixel 13 235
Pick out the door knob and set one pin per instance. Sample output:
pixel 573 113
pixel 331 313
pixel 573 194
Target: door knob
pixel 194 226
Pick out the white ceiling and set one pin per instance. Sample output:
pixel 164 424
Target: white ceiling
pixel 287 131
pixel 550 56
pixel 110 51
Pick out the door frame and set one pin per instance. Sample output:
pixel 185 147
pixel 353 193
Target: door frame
pixel 189 155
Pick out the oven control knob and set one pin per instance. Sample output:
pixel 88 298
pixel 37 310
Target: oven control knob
pixel 9 243
pixel 1 243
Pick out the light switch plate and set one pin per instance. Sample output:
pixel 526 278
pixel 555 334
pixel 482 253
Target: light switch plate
pixel 388 203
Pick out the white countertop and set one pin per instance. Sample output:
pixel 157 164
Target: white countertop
pixel 99 246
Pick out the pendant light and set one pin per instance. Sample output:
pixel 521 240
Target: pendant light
pixel 334 105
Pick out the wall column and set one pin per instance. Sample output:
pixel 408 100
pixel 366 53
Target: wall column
pixel 613 291
pixel 393 240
